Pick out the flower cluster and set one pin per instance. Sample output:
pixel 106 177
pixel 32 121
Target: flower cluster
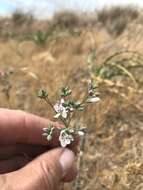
pixel 66 135
pixel 60 109
pixel 92 93
pixel 42 94
pixel 65 110
pixel 48 132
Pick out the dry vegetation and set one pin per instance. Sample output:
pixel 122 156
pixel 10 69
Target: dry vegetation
pixel 68 50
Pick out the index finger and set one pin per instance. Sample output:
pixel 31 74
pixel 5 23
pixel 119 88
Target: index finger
pixel 21 127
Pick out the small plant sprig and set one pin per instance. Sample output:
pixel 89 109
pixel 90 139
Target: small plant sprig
pixel 65 110
pixel 5 83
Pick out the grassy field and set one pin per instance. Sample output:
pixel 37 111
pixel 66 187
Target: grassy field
pixel 68 50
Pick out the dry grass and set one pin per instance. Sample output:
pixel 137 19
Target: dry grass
pixel 113 158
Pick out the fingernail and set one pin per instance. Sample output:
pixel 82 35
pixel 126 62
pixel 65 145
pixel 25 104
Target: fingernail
pixel 67 161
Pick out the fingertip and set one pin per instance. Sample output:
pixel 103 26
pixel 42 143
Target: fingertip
pixel 72 174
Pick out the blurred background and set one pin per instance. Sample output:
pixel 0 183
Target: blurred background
pixel 51 44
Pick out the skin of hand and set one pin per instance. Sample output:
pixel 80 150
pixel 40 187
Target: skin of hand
pixel 27 160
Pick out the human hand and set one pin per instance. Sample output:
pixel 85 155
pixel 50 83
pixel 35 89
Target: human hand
pixel 25 163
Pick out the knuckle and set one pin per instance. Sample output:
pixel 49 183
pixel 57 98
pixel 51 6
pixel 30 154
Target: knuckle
pixel 49 176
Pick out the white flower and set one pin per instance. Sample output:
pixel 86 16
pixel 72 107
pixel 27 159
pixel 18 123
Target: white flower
pixel 80 133
pixel 93 99
pixel 65 138
pixel 60 109
pixel 57 116
pixel 71 130
pixel 45 129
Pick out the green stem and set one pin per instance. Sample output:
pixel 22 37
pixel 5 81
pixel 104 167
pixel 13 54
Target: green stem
pixel 72 116
pixel 69 120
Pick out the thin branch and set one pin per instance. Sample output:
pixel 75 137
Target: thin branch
pixel 51 105
pixel 80 163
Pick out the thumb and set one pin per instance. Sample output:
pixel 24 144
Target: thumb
pixel 45 172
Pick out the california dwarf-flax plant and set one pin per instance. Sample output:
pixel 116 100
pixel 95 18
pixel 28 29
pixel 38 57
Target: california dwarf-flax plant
pixel 65 110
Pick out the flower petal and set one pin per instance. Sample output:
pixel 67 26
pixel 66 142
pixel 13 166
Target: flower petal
pixel 64 113
pixel 56 107
pixel 49 137
pixel 62 101
pixel 81 133
pixel 93 99
pixel 63 144
pixel 57 116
